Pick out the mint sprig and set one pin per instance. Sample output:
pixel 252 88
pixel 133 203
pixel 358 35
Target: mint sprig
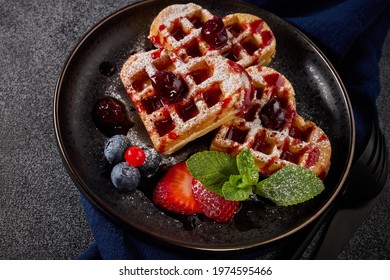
pixel 240 187
pixel 236 191
pixel 247 167
pixel 238 178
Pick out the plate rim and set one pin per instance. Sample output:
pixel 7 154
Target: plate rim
pixel 110 213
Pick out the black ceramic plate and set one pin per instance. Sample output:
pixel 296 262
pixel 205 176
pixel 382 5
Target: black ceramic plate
pixel 320 97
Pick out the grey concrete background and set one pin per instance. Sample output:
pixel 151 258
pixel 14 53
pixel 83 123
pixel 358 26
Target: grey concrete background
pixel 40 212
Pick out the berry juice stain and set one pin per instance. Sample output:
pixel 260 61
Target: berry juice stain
pixel 107 68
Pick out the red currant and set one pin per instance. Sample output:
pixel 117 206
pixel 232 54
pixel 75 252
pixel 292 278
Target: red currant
pixel 135 156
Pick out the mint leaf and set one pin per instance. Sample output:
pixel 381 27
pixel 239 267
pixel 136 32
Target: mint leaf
pixel 290 185
pixel 237 192
pixel 247 167
pixel 212 169
pixel 235 179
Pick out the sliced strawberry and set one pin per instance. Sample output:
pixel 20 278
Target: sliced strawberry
pixel 213 205
pixel 174 191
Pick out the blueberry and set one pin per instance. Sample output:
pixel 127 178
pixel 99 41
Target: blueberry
pixel 152 162
pixel 115 148
pixel 125 177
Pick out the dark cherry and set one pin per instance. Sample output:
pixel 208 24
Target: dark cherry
pixel 109 111
pixel 273 115
pixel 214 33
pixel 109 114
pixel 168 86
pixel 107 68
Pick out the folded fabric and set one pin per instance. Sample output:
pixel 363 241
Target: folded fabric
pixel 351 34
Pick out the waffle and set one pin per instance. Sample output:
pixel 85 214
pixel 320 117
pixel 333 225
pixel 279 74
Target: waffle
pixel 178 28
pixel 273 142
pixel 218 91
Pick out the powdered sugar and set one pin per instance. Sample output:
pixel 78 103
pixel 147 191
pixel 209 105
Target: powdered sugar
pixel 248 43
pixel 226 78
pixel 273 148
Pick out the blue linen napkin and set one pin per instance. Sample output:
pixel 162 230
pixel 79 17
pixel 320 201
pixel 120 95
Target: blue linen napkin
pixel 351 34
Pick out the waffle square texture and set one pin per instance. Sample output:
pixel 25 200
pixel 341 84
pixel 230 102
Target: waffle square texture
pixel 273 130
pixel 217 91
pixel 179 28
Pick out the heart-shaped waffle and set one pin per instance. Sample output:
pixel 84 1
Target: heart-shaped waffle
pixel 216 90
pixel 249 40
pixel 273 130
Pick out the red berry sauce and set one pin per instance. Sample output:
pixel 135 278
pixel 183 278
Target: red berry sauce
pixel 177 31
pixel 151 104
pixel 261 144
pixel 187 111
pixel 250 45
pixel 200 75
pixel 196 22
pixel 235 29
pixel 212 96
pixel 236 134
pixel 164 126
